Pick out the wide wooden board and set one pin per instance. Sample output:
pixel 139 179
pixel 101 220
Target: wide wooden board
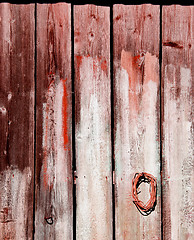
pixel 93 122
pixel 136 118
pixel 16 120
pixel 54 185
pixel 177 99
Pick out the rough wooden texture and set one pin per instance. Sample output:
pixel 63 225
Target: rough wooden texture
pixel 16 120
pixel 93 122
pixel 54 201
pixel 177 75
pixel 136 120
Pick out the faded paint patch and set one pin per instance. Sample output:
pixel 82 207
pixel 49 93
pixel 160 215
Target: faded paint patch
pixel 15 188
pixel 55 129
pixel 93 149
pixel 55 179
pixel 178 145
pixel 136 140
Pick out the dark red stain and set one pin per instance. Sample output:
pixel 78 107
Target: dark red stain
pixel 173 44
pixel 94 16
pixel 65 114
pixel 135 61
pixel 104 66
pixel 118 17
pixel 79 61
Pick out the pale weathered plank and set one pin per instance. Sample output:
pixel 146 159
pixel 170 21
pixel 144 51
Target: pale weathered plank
pixel 16 121
pixel 177 76
pixel 54 185
pixel 136 120
pixel 93 122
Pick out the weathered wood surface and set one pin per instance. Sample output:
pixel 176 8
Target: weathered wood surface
pixel 177 76
pixel 93 122
pixel 136 120
pixel 16 120
pixel 54 185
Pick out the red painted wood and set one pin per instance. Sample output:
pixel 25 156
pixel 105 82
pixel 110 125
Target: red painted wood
pixel 54 183
pixel 93 122
pixel 16 120
pixel 136 120
pixel 177 76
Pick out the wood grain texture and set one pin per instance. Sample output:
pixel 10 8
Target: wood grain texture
pixel 177 81
pixel 136 120
pixel 16 120
pixel 54 185
pixel 93 122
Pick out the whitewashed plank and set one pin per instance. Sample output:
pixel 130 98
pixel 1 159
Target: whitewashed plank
pixel 136 120
pixel 93 122
pixel 177 79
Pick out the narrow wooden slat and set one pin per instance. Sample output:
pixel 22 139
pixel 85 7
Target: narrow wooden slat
pixel 177 75
pixel 16 120
pixel 136 120
pixel 54 200
pixel 93 122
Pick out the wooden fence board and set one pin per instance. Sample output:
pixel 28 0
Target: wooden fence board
pixel 136 120
pixel 54 185
pixel 177 74
pixel 93 122
pixel 16 120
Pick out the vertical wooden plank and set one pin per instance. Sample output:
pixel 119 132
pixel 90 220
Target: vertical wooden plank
pixel 54 200
pixel 136 101
pixel 16 120
pixel 177 75
pixel 93 122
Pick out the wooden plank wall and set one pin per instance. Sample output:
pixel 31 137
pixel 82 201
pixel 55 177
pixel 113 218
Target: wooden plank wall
pixel 16 120
pixel 177 81
pixel 37 123
pixel 136 101
pixel 54 190
pixel 93 122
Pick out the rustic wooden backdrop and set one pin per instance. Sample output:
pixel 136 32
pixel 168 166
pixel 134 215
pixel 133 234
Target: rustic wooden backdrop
pixel 90 96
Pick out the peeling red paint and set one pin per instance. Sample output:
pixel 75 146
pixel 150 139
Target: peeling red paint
pixel 45 155
pixel 50 127
pixel 129 63
pixel 98 60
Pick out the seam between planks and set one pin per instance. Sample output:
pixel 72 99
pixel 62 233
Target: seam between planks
pixel 161 117
pixel 112 117
pixel 73 121
pixel 35 105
